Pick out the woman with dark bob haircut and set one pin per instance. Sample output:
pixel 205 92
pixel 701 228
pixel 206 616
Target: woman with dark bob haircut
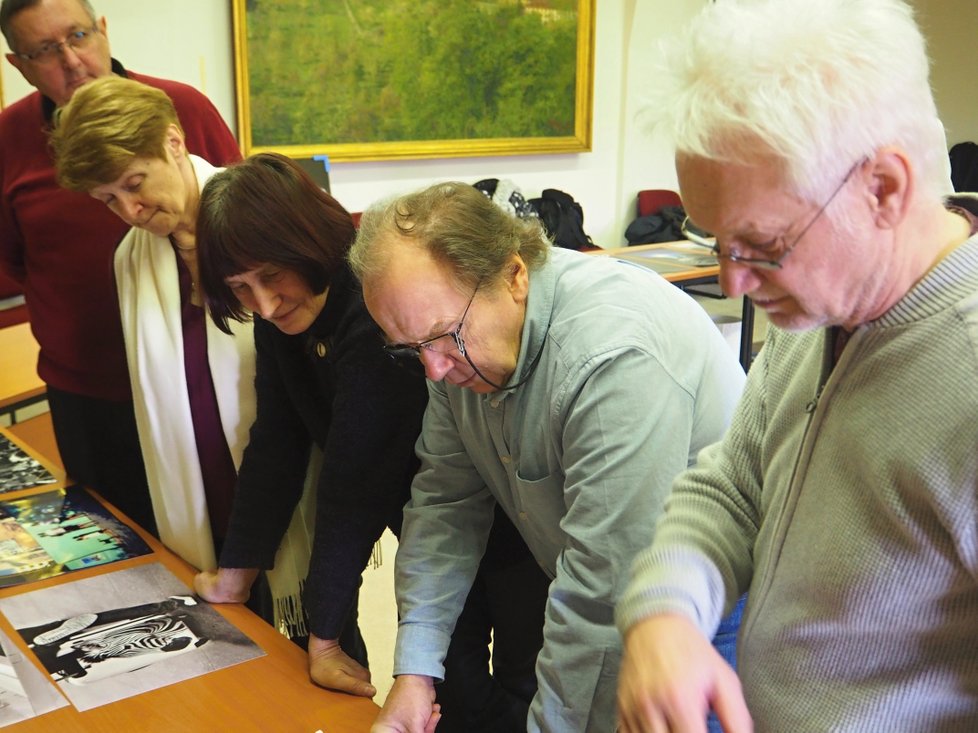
pixel 272 246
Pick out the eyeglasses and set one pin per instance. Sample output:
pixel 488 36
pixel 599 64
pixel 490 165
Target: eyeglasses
pixel 704 239
pixel 410 353
pixel 50 52
pixel 413 351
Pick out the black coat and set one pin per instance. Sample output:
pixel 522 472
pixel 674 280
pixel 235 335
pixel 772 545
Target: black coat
pixel 333 385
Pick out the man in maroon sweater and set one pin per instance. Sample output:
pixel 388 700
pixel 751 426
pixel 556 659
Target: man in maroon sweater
pixel 59 244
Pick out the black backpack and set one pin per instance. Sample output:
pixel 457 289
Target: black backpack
pixel 666 225
pixel 563 218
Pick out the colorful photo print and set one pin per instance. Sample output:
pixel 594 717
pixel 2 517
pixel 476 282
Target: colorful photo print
pixel 123 633
pixel 57 531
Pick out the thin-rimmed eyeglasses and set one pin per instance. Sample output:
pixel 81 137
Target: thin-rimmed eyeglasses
pixel 704 239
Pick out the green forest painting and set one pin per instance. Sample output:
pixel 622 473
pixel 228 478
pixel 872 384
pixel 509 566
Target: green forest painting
pixel 374 79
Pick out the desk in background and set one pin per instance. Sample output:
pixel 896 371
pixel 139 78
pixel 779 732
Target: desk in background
pixel 19 384
pixel 686 265
pixel 271 693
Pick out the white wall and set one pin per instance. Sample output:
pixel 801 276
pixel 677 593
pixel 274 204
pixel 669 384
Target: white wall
pixel 951 27
pixel 190 40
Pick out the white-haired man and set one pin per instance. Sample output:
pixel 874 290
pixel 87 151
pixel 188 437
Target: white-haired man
pixel 843 498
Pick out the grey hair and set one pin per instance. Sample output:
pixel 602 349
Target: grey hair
pixel 458 225
pixel 816 85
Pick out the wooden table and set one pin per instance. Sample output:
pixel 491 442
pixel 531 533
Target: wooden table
pixel 271 693
pixel 19 384
pixel 686 265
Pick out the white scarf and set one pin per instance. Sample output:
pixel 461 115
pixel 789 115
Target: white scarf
pixel 149 300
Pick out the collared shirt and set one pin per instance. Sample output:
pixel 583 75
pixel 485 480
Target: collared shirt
pixel 632 380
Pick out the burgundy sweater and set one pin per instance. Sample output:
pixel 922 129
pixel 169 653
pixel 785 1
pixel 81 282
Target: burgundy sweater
pixel 59 244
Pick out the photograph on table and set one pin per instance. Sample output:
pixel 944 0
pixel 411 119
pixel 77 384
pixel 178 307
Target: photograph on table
pixel 54 532
pixel 18 470
pixel 24 691
pixel 117 635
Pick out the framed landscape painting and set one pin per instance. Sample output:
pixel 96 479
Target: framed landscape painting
pixel 389 79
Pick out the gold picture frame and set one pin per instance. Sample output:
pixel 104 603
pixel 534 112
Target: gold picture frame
pixel 289 48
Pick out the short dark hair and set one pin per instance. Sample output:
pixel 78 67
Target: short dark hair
pixel 267 210
pixel 11 8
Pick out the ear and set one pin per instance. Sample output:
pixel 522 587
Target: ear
pixel 174 142
pixel 16 61
pixel 518 279
pixel 891 186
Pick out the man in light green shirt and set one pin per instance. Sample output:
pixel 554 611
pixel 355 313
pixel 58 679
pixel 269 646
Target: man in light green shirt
pixel 571 390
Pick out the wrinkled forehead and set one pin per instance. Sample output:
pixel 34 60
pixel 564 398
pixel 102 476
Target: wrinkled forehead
pixel 713 189
pixel 402 261
pixel 48 20
pixel 414 296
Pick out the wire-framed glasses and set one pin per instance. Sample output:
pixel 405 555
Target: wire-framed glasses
pixel 439 344
pixel 50 52
pixel 704 239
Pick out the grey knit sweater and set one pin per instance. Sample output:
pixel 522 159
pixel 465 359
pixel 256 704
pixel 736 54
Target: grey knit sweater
pixel 846 500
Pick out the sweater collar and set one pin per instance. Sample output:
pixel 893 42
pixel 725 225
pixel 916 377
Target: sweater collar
pixel 952 279
pixel 48 106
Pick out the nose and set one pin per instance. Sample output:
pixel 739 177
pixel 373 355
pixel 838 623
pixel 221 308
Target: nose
pixel 69 56
pixel 128 209
pixel 436 364
pixel 737 279
pixel 266 301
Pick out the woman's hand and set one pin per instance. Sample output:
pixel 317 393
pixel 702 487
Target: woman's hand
pixel 227 585
pixel 332 668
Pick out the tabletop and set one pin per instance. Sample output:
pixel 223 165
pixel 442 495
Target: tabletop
pixel 19 383
pixel 270 693
pixel 681 263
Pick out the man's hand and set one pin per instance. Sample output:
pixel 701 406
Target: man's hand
pixel 410 707
pixel 670 678
pixel 332 668
pixel 227 585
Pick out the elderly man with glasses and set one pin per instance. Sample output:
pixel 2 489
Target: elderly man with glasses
pixel 59 244
pixel 570 390
pixel 844 497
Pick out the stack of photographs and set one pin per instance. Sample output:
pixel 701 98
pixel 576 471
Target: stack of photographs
pixel 53 532
pixel 18 470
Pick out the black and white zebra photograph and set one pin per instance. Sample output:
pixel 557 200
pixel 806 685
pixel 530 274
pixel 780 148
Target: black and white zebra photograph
pixel 120 634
